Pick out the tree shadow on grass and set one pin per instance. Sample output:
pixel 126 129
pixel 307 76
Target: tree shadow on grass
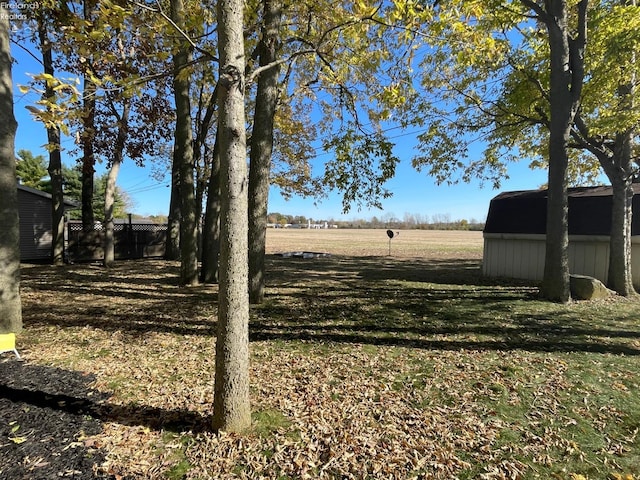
pixel 450 272
pixel 446 328
pixel 446 305
pixel 131 281
pixel 517 343
pixel 419 303
pixel 134 297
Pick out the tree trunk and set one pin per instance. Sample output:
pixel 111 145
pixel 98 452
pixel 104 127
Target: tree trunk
pixel 261 148
pixel 618 164
pixel 620 277
pixel 88 157
pixel 202 171
pixel 183 155
pixel 620 173
pixel 110 189
pixel 55 160
pixel 555 283
pixel 231 408
pixel 616 159
pixel 208 187
pixel 209 272
pixel 200 188
pixel 172 249
pixel 109 200
pixel 567 72
pixel 57 198
pixel 87 137
pixel 10 306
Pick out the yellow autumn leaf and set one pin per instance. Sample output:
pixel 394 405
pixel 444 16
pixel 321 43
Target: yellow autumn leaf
pixel 620 476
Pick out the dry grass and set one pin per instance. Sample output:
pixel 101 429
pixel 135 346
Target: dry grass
pixel 368 242
pixel 364 365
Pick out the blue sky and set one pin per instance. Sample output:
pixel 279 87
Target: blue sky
pixel 413 192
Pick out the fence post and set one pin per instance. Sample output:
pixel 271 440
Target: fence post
pixel 130 239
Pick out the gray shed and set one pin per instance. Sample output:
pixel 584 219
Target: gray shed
pixel 35 223
pixel 515 232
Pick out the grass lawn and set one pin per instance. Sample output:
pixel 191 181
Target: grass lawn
pixel 364 365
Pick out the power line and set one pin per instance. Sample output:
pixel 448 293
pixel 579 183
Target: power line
pixel 148 188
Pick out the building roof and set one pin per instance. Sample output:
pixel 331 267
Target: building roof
pixel 40 193
pixel 526 211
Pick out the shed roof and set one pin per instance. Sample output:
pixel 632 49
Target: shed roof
pixel 526 211
pixel 40 193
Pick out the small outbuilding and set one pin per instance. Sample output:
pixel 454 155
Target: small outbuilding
pixel 35 223
pixel 515 233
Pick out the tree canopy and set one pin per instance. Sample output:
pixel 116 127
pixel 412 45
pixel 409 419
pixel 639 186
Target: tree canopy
pixel 32 171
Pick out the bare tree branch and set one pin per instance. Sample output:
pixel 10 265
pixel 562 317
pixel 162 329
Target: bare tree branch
pixel 251 77
pixel 159 10
pixel 540 12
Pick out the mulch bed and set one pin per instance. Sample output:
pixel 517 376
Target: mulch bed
pixel 47 416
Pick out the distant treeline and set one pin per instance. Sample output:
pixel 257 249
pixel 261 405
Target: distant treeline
pixel 408 222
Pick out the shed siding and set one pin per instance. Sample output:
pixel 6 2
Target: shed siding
pixel 635 262
pixel 589 257
pixel 522 256
pixel 537 250
pixel 35 226
pixel 514 256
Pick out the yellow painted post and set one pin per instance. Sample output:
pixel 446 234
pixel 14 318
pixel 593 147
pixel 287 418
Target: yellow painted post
pixel 8 343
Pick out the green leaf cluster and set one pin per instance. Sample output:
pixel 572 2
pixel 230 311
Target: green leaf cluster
pixel 612 64
pixel 362 165
pixel 484 86
pixel 31 170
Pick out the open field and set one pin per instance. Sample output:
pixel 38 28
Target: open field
pixel 364 366
pixel 354 242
